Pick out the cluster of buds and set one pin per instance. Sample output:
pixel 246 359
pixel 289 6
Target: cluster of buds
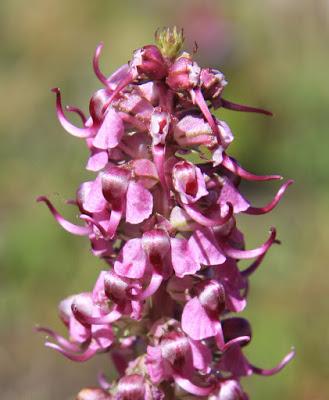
pixel 161 213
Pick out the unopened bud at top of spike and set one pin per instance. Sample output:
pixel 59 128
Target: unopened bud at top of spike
pixel 170 41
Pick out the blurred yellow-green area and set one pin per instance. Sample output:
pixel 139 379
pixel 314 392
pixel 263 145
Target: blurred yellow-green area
pixel 275 55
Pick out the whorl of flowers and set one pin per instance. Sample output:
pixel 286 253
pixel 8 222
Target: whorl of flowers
pixel 161 212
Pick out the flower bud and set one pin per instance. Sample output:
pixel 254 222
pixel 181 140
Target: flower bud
pixel 156 245
pixel 192 131
pixel 115 182
pixel 96 105
pixel 212 296
pixel 212 82
pixel 188 182
pixel 174 348
pixel 115 287
pixel 148 61
pixel 184 74
pixel 93 394
pixel 131 387
pixel 64 309
pixel 82 306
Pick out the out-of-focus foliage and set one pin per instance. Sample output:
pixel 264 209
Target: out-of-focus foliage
pixel 275 55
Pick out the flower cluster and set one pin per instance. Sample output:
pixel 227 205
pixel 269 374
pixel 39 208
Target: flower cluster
pixel 161 213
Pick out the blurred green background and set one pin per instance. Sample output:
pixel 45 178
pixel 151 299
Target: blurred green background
pixel 274 54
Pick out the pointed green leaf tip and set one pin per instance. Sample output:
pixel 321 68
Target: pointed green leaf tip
pixel 170 41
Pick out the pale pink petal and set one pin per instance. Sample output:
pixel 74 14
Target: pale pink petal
pixel 204 249
pixel 154 364
pixel 201 355
pixel 91 195
pixel 196 322
pixel 139 203
pixel 102 337
pixel 131 262
pixel 110 132
pixel 230 194
pixel 182 259
pixel 97 160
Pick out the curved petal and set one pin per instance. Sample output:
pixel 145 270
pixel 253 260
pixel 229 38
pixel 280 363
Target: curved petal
pixel 200 101
pixel 66 124
pixel 190 387
pixel 79 357
pixel 109 318
pixel 245 254
pixel 68 226
pixel 269 207
pixel 201 219
pixel 272 371
pixel 153 286
pixel 64 343
pixel 240 107
pixel 97 71
pixel 77 111
pixel 231 164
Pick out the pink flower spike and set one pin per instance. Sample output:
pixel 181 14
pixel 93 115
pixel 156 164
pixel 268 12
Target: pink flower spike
pixel 275 370
pixel 68 226
pixel 66 124
pixel 231 164
pixel 269 207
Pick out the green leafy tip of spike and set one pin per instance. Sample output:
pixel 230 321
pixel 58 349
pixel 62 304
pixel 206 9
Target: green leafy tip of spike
pixel 170 41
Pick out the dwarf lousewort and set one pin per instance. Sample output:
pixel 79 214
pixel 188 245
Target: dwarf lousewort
pixel 166 226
